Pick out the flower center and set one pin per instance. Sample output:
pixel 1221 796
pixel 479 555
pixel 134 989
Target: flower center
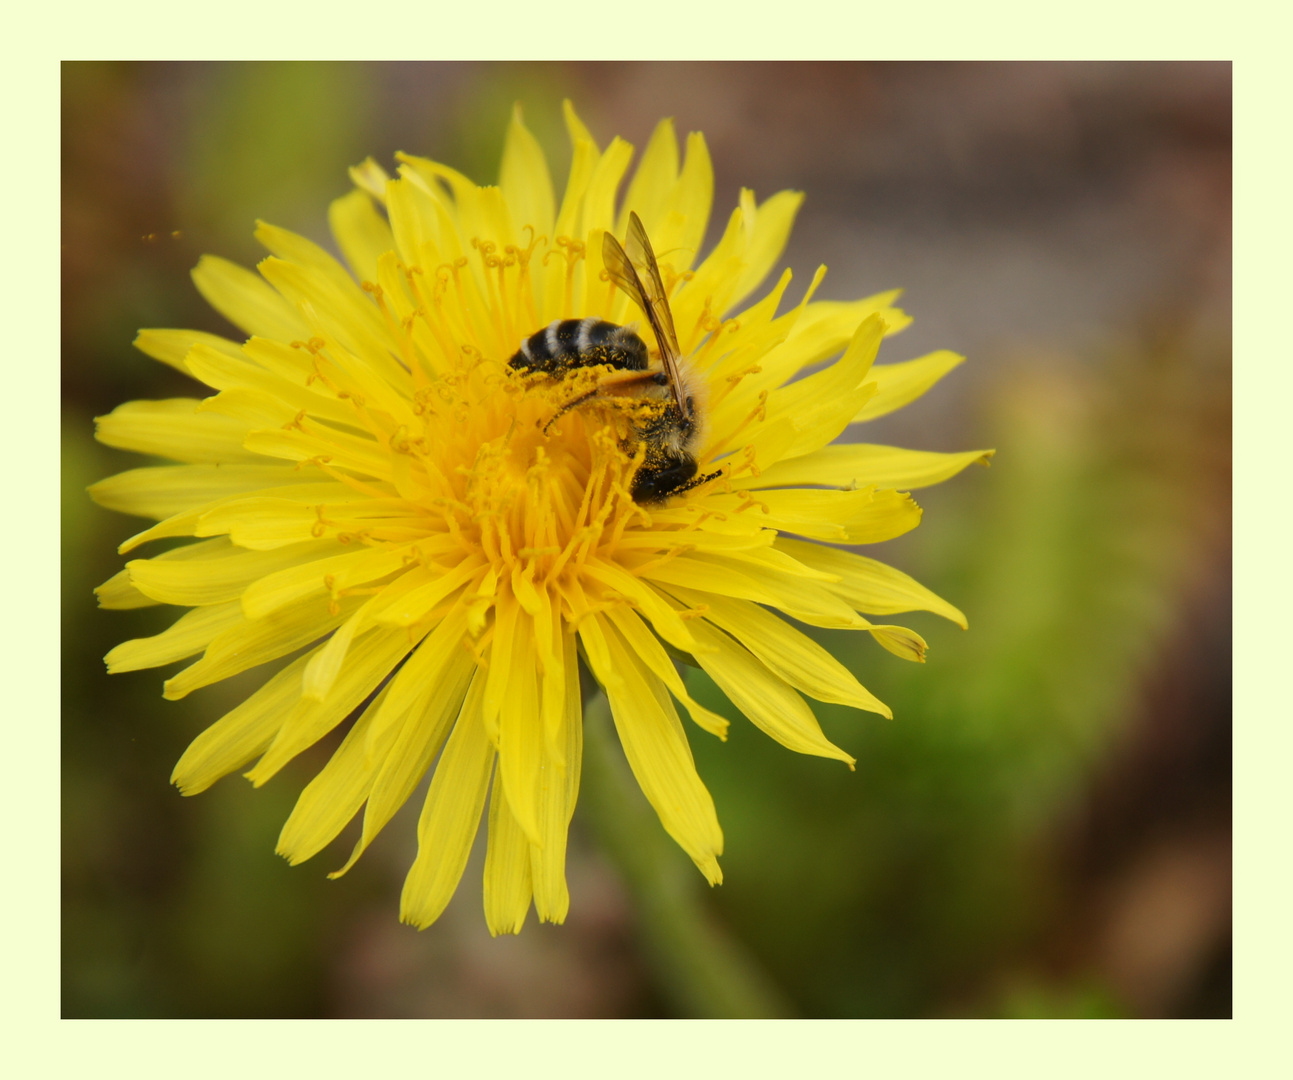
pixel 515 473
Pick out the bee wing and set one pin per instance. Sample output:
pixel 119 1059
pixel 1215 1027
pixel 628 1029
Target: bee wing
pixel 621 270
pixel 656 307
pixel 649 295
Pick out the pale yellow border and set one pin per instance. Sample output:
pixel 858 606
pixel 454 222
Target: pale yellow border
pixel 38 1044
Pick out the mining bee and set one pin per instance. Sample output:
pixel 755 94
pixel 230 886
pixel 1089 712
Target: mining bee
pixel 667 404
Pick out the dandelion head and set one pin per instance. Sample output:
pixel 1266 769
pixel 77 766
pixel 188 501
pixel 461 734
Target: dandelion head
pixel 433 481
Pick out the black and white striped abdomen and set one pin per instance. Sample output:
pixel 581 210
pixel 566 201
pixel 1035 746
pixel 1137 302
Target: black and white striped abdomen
pixel 576 343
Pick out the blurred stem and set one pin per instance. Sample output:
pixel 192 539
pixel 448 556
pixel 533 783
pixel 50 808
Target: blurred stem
pixel 704 972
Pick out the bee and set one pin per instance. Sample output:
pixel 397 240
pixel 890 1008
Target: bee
pixel 672 427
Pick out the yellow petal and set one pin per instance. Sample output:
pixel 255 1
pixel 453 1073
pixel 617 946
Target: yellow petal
pixel 772 225
pixel 506 613
pixel 412 685
pixel 554 683
pixel 645 645
pixel 524 178
pixel 175 429
pixel 864 516
pixel 784 651
pixel 508 886
pixel 813 512
pixel 121 590
pixel 769 702
pixel 223 372
pixel 888 514
pixel 750 369
pixel 558 790
pixel 815 332
pixel 333 797
pixel 450 815
pixel 172 346
pixel 189 635
pixel 826 326
pixel 420 739
pixel 418 223
pixel 520 727
pixel 805 600
pixel 428 587
pixel 215 575
pixel 249 409
pixel 362 233
pixel 699 539
pixel 899 384
pixel 870 586
pixel 824 404
pixel 769 442
pixel 258 642
pixel 599 199
pixel 647 600
pixel 295 248
pixel 652 181
pixel 421 347
pixel 332 574
pixel 901 642
pixel 735 352
pixel 556 276
pixel 166 490
pixel 574 126
pixel 246 300
pixel 689 204
pixel 712 283
pixel 851 465
pixel 370 177
pixel 360 455
pixel 343 316
pixel 117 594
pixel 261 523
pixel 241 733
pixel 187 522
pixel 658 754
pixel 592 640
pixel 328 662
pixel 371 660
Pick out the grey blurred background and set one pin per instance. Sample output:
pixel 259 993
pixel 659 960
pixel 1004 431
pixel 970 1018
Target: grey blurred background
pixel 1043 830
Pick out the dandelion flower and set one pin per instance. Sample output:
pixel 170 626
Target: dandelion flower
pixel 436 539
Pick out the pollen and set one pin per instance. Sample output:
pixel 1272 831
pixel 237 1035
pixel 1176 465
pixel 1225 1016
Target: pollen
pixel 496 477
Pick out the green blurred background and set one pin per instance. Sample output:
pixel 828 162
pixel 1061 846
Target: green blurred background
pixel 1043 830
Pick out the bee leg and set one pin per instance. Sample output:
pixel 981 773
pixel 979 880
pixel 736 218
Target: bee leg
pixel 665 476
pixel 698 481
pixel 574 403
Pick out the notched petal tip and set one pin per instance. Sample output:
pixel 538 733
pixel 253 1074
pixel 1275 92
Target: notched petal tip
pixel 287 855
pixel 510 926
pixel 183 786
pixel 574 126
pixel 900 641
pixel 370 177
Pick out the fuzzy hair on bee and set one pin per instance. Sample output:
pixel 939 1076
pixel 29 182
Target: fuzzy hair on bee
pixel 567 344
pixel 668 420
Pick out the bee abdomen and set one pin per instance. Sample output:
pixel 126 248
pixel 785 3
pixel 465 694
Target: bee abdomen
pixel 575 343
